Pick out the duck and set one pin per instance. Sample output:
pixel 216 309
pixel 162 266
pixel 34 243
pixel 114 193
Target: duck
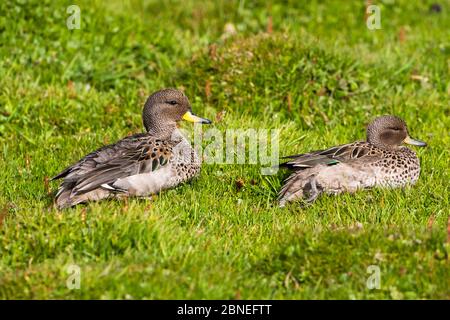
pixel 380 161
pixel 139 165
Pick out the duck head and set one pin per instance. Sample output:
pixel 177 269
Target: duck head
pixel 165 108
pixel 390 132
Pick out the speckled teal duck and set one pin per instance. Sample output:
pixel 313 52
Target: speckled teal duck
pixel 138 165
pixel 381 161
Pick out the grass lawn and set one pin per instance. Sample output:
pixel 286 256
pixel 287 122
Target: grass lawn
pixel 311 69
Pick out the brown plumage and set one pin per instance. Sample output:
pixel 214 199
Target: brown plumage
pixel 139 165
pixel 379 161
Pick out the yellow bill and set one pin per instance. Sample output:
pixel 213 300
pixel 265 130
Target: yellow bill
pixel 189 116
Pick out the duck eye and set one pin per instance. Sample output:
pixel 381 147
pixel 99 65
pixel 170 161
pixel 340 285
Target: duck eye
pixel 172 102
pixel 395 128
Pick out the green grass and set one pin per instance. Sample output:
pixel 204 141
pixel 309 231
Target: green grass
pixel 319 77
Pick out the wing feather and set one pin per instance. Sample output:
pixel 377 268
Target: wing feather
pixel 331 156
pixel 133 155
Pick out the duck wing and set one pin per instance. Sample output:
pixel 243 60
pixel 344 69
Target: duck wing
pixel 133 155
pixel 331 156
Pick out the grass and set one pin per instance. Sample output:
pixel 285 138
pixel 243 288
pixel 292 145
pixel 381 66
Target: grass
pixel 311 69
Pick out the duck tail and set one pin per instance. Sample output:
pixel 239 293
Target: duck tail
pixel 66 197
pixel 299 185
pixel 63 199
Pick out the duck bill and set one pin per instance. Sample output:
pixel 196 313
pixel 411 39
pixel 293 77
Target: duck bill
pixel 189 116
pixel 414 142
